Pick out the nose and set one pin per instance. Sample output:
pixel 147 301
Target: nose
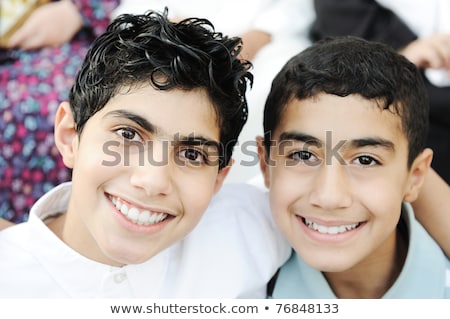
pixel 153 171
pixel 330 187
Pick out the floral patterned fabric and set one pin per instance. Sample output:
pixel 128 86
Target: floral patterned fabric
pixel 32 85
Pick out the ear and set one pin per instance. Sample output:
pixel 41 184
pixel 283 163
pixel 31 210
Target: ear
pixel 66 137
pixel 417 174
pixel 222 175
pixel 263 160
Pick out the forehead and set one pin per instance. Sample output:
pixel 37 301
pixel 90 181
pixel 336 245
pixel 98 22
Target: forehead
pixel 170 111
pixel 347 118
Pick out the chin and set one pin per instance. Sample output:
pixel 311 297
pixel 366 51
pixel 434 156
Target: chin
pixel 333 268
pixel 328 263
pixel 129 257
pixel 132 260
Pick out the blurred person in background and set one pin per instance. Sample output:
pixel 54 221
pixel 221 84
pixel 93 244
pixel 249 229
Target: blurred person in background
pixel 37 68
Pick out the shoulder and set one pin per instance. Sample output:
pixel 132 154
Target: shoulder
pixel 239 239
pixel 420 241
pixel 426 274
pixel 243 204
pixel 14 238
pixel 16 259
pixel 18 239
pixel 22 243
pixel 236 198
pixel 447 281
pixel 21 271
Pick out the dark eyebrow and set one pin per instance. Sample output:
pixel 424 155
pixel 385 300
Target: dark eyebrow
pixel 178 139
pixel 357 143
pixel 372 141
pixel 301 137
pixel 135 118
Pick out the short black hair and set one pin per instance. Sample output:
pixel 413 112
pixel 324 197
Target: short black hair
pixel 187 55
pixel 351 65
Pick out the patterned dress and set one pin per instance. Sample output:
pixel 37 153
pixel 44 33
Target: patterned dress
pixel 32 85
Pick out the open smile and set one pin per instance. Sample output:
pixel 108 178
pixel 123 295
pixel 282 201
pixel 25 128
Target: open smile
pixel 332 230
pixel 138 216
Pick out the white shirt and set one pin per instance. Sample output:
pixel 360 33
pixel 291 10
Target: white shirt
pixel 232 253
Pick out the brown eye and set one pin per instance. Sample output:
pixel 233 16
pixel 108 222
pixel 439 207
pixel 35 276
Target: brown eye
pixel 192 155
pixel 366 160
pixel 129 134
pixel 303 156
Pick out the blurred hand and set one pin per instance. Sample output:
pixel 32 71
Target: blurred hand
pixel 430 52
pixel 4 223
pixel 252 41
pixel 52 24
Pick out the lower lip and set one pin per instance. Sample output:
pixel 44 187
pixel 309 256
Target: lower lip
pixel 135 228
pixel 328 238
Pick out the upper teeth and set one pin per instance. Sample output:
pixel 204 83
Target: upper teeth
pixel 330 229
pixel 144 217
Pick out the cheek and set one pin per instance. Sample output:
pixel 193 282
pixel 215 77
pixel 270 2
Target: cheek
pixel 195 191
pixel 382 197
pixel 384 187
pixel 285 190
pixel 287 184
pixel 93 165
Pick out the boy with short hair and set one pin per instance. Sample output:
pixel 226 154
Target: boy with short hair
pixel 343 155
pixel 148 131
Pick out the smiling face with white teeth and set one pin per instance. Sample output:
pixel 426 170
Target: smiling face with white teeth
pixel 144 170
pixel 337 175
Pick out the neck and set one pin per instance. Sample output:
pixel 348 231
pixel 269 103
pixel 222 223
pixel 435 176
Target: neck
pixel 373 277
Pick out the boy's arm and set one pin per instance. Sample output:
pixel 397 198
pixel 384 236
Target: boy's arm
pixel 4 223
pixel 432 209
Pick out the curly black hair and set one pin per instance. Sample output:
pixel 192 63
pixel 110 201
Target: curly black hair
pixel 187 55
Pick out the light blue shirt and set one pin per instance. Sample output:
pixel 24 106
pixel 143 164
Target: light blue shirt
pixel 425 274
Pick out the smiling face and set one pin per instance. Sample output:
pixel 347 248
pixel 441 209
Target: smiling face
pixel 144 170
pixel 338 174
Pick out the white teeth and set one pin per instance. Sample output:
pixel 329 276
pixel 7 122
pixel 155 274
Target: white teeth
pixel 330 229
pixel 123 209
pixel 133 214
pixel 144 217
